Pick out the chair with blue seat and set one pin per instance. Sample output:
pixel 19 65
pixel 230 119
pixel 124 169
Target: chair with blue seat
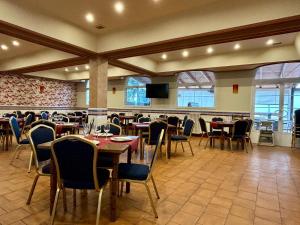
pixel 116 121
pixel 113 129
pixel 41 157
pixel 75 159
pixel 17 133
pixel 44 116
pixel 186 135
pixel 239 133
pixel 144 120
pixel 140 173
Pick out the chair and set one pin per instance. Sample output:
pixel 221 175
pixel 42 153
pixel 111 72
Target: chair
pixel 239 133
pixel 75 159
pixel 32 114
pixel 187 133
pixel 17 133
pixel 38 135
pixel 137 117
pixel 116 121
pixel 27 122
pixel 204 131
pixel 144 119
pixel 248 132
pixel 113 128
pixel 139 173
pixel 296 128
pixel 77 113
pixel 184 120
pixel 113 115
pixel 173 120
pixel 44 116
pixel 155 129
pixel 65 119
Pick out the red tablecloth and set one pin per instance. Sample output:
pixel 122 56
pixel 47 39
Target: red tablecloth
pixel 103 141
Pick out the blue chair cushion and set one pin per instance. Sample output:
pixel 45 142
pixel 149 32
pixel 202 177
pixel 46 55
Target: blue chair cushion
pixel 24 142
pixel 103 176
pixel 178 138
pixel 133 171
pixel 46 169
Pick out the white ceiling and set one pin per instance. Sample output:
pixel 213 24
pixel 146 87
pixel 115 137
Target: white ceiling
pixel 136 11
pixel 24 48
pixel 258 43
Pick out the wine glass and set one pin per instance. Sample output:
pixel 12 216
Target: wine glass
pixel 106 129
pixel 86 129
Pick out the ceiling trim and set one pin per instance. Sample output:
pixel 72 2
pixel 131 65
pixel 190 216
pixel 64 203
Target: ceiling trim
pixel 130 67
pixel 41 39
pixel 250 31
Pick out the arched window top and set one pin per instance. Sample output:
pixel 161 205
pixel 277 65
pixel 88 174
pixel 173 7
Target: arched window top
pixel 278 71
pixel 138 81
pixel 195 78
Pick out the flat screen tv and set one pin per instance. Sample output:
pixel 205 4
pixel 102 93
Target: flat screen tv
pixel 157 90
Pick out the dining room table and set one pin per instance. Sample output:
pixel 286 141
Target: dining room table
pixel 62 127
pixel 140 127
pixel 221 125
pixel 104 145
pixel 4 123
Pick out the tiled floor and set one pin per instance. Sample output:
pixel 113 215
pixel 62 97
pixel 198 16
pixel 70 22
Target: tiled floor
pixel 212 188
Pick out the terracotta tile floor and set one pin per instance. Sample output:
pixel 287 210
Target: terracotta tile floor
pixel 212 188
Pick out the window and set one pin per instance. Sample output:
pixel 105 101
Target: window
pixel 196 89
pixel 277 95
pixel 136 91
pixel 87 92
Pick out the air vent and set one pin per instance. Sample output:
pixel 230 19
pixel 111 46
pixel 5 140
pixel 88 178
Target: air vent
pixel 99 27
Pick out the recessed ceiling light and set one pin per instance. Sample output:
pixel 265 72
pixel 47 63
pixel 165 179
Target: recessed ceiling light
pixel 164 56
pixel 156 1
pixel 4 47
pixel 209 50
pixel 185 53
pixel 76 68
pixel 90 17
pixel 270 42
pixel 119 7
pixel 15 43
pixel 66 70
pixel 237 46
pixel 87 67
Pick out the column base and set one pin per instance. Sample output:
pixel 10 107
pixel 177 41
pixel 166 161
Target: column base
pixel 99 115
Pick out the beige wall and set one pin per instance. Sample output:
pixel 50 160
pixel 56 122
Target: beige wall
pixel 225 100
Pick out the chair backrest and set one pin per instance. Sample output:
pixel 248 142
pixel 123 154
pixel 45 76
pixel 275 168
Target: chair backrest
pixel 65 119
pixel 43 122
pixel 116 121
pixel 54 113
pixel 203 126
pixel 158 145
pixel 75 159
pixel 216 119
pixel 240 128
pixel 188 127
pixel 91 125
pixel 38 135
pixel 250 124
pixel 78 113
pixel 14 125
pixel 113 115
pixel 144 119
pixel 138 116
pixel 10 115
pixel 184 120
pixel 32 114
pixel 19 114
pixel 173 120
pixel 28 120
pixel 121 114
pixel 155 129
pixel 297 117
pixel 44 116
pixel 113 128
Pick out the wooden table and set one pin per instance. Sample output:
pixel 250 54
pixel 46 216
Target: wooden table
pixel 221 125
pixel 105 146
pixel 62 126
pixel 4 122
pixel 140 127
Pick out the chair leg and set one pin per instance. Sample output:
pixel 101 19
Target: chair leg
pixel 122 188
pixel 208 138
pixel 32 189
pixel 151 200
pixel 54 206
pixel 15 156
pixel 99 207
pixel 200 140
pixel 250 143
pixel 182 146
pixel 155 188
pixel 245 145
pixel 176 143
pixel 230 142
pixel 65 199
pixel 74 197
pixel 191 148
pixel 30 162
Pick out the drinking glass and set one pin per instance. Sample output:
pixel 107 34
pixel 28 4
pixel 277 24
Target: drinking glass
pixel 86 129
pixel 106 129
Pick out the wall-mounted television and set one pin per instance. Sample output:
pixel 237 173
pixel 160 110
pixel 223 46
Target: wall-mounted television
pixel 157 90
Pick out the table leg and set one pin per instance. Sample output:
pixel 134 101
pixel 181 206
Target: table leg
pixel 169 133
pixel 53 183
pixel 141 144
pixel 114 188
pixel 129 154
pixel 6 137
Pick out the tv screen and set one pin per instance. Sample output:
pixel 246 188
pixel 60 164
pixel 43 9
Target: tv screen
pixel 157 90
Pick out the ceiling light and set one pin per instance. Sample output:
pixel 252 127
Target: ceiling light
pixel 156 1
pixel 4 47
pixel 76 68
pixel 164 56
pixel 90 17
pixel 185 53
pixel 66 70
pixel 119 7
pixel 209 50
pixel 237 46
pixel 15 43
pixel 87 67
pixel 270 42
